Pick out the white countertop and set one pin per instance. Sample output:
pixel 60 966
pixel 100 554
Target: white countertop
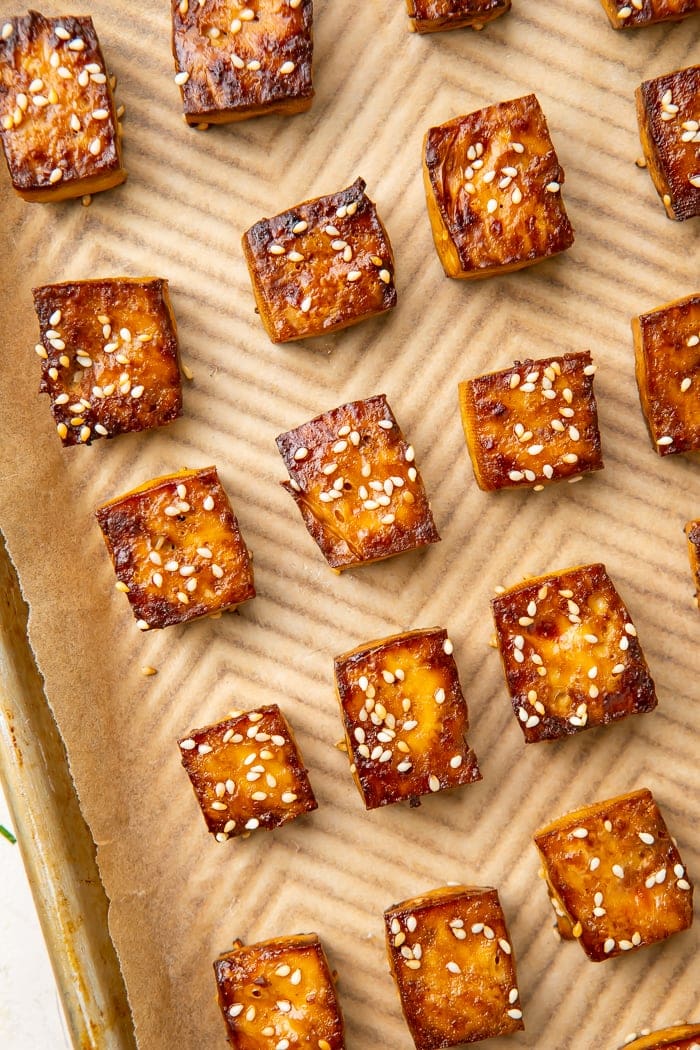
pixel 30 1011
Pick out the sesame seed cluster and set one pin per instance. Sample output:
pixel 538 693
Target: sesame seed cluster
pixel 571 656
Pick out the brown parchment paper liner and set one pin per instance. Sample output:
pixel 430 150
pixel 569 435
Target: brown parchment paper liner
pixel 178 898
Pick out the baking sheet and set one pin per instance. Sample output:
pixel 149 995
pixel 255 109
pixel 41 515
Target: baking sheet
pixel 177 897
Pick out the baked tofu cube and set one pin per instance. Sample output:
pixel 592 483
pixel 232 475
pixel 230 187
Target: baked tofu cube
pixel 405 717
pixel 451 957
pixel 632 14
pixel 533 423
pixel 493 186
pixel 177 549
pixel 676 1037
pixel 570 653
pixel 322 266
pixel 615 878
pixel 692 531
pixel 247 773
pixel 57 119
pixel 667 366
pixel 668 111
pixel 241 60
pixel 356 485
pixel 433 16
pixel 279 995
pixel 109 356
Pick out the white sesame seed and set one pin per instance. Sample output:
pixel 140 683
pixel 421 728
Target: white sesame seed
pixel 56 175
pixel 286 68
pixel 253 65
pixel 354 275
pixel 182 77
pixel 580 833
pixel 609 945
pixel 491 206
pixel 447 647
pixel 77 44
pixel 433 783
pixel 453 967
pixel 95 147
pixel 534 450
pixel 217 571
pixel 300 226
pixel 305 305
pixel 513 995
pixel 505 947
pixel 683 884
pixel 552 187
pixel 618 871
pixel 515 1014
pixel 252 824
pixel 666 440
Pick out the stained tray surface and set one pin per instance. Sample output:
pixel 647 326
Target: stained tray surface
pixel 177 897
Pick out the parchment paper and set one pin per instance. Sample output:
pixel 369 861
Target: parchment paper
pixel 178 898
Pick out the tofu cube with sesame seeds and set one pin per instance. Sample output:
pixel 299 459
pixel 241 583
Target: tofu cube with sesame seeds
pixel 667 366
pixel 321 266
pixel 675 1037
pixel 279 995
pixel 247 773
pixel 405 718
pixel 177 549
pixel 692 532
pixel 356 484
pixel 633 14
pixel 493 188
pixel 58 124
pixel 668 112
pixel 109 356
pixel 433 16
pixel 615 877
pixel 570 653
pixel 242 59
pixel 451 957
pixel 533 423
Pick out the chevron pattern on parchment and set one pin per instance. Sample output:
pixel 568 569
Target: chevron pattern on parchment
pixel 178 898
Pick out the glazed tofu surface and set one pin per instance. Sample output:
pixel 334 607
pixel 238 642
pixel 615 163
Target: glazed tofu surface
pixel 109 356
pixel 533 423
pixel 354 479
pixel 615 877
pixel 58 124
pixel 493 188
pixel 247 773
pixel 321 266
pixel 570 653
pixel 452 960
pixel 405 717
pixel 279 994
pixel 176 548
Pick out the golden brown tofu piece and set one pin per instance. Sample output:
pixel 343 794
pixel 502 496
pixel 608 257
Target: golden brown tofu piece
pixel 667 366
pixel 615 877
pixel 570 653
pixel 279 995
pixel 109 356
pixel 451 957
pixel 433 16
pixel 676 1037
pixel 322 266
pixel 493 187
pixel 405 717
pixel 668 112
pixel 533 423
pixel 247 773
pixel 58 123
pixel 177 550
pixel 355 482
pixel 240 60
pixel 692 531
pixel 633 14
